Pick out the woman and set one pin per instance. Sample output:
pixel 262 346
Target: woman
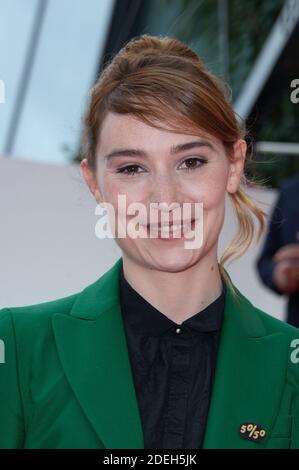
pixel 162 351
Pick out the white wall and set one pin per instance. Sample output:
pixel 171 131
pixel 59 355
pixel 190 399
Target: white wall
pixel 48 247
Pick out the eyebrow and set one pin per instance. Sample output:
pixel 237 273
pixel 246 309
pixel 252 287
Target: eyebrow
pixel 174 149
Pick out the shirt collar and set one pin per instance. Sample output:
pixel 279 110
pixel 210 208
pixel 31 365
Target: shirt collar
pixel 146 319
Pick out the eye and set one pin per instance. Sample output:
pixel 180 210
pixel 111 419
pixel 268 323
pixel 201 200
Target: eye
pixel 193 163
pixel 130 170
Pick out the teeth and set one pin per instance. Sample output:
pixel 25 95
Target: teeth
pixel 171 228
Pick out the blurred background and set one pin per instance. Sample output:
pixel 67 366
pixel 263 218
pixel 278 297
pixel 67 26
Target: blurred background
pixel 51 54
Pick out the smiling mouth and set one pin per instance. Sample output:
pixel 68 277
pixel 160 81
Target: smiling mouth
pixel 172 226
pixel 170 229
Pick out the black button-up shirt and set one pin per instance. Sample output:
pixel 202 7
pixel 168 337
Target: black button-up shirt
pixel 173 367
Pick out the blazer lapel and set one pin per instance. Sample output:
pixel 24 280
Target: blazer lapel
pixel 247 385
pixel 93 351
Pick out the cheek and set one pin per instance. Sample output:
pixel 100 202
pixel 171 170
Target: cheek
pixel 114 190
pixel 209 192
pixel 135 191
pixel 213 199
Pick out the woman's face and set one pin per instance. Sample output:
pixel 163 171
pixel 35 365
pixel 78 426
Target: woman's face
pixel 149 165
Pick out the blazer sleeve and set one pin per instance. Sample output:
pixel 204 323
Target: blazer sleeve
pixel 12 432
pixel 273 241
pixel 295 409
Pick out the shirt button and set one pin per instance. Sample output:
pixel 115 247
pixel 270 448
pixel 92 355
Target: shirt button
pixel 178 330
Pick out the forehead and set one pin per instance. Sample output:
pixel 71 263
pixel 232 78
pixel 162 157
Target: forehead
pixel 125 130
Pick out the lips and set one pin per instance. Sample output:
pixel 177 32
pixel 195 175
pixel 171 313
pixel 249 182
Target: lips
pixel 171 226
pixel 171 231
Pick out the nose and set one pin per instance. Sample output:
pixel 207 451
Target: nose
pixel 166 193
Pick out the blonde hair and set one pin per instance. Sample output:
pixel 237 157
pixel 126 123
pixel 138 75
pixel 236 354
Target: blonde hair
pixel 247 214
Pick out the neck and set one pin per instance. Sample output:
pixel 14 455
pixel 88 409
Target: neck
pixel 177 295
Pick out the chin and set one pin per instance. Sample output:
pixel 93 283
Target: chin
pixel 173 262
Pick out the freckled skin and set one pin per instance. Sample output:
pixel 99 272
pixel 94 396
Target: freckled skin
pixel 162 179
pixel 177 281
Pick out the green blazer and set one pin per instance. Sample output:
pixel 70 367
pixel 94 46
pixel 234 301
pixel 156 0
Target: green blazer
pixel 67 383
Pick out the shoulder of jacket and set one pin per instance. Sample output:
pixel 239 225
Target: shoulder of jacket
pixel 29 315
pixel 274 325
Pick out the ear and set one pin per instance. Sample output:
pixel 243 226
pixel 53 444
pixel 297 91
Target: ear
pixel 236 166
pixel 90 179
